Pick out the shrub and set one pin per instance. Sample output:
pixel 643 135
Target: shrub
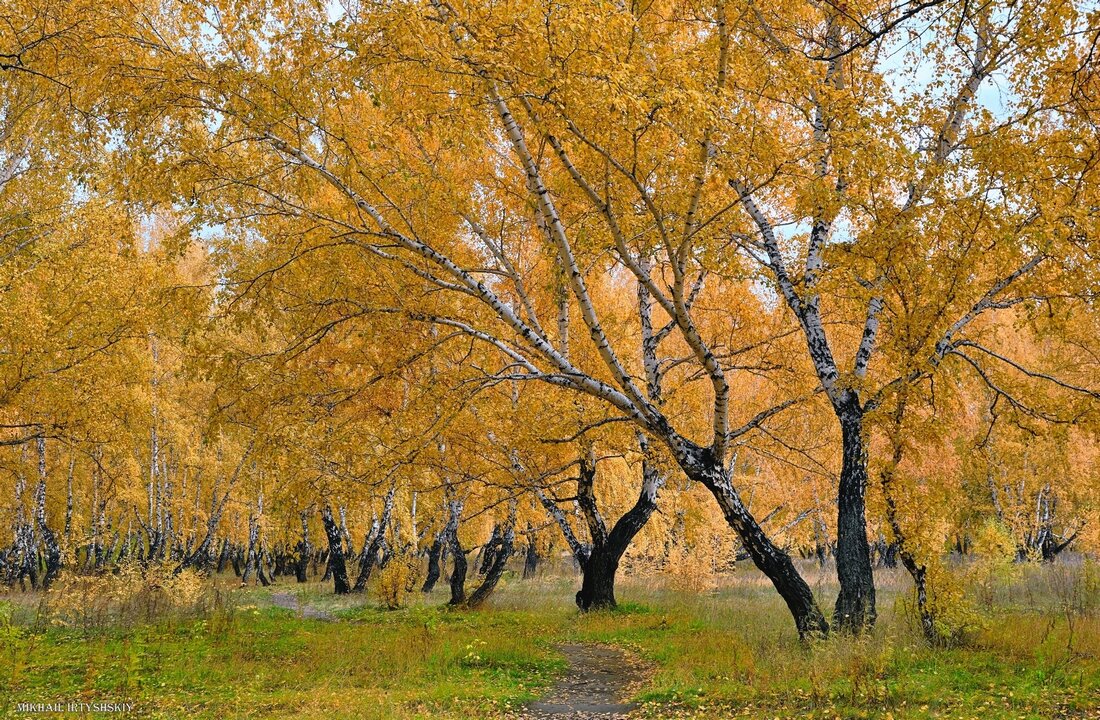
pixel 133 593
pixel 397 580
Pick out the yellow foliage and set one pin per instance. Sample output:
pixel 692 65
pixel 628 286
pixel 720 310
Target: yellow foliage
pixel 397 580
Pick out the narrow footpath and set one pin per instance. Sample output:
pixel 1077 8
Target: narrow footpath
pixel 291 602
pixel 593 688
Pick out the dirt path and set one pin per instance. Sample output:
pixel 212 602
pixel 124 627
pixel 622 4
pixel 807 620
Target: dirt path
pixel 291 602
pixel 593 687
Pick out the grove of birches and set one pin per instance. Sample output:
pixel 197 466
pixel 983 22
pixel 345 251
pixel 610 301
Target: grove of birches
pixel 393 294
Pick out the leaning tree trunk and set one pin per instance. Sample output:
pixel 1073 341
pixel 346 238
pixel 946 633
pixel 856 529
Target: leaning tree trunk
pixel 200 558
pixel 580 550
pixel 223 557
pixel 372 545
pixel 772 560
pixel 488 551
pixel 1052 548
pixel 502 546
pixel 855 605
pixel 336 563
pixel 918 571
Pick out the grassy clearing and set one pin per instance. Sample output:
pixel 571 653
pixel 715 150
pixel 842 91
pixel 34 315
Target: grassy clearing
pixel 731 652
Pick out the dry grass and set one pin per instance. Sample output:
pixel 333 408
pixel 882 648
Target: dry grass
pixel 729 652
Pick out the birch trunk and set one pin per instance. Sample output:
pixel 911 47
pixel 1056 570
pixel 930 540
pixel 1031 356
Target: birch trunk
pixel 503 547
pixel 372 545
pixel 51 548
pixel 336 563
pixel 301 567
pixel 434 553
pixel 772 560
pixel 855 605
pixel 598 582
pixel 458 574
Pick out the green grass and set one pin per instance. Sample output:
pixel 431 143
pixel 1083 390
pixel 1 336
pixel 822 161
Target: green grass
pixel 727 653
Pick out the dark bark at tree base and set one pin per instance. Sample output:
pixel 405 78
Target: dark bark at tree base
pixel 51 558
pixel 919 574
pixel 890 556
pixel 530 560
pixel 599 560
pixel 434 553
pixel 487 556
pixel 301 567
pixel 223 556
pixel 458 573
pixel 336 564
pixel 773 561
pixel 374 544
pixel 458 576
pixel 502 546
pixel 855 605
pixel 598 583
pixel 367 561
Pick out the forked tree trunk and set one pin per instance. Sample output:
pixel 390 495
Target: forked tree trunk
pixel 855 605
pixel 1045 541
pixel 336 563
pixel 503 545
pixel 598 582
pixel 372 545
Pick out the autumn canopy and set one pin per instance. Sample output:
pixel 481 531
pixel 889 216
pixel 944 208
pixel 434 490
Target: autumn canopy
pixel 420 288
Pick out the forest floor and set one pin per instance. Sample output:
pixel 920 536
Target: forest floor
pixel 724 651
